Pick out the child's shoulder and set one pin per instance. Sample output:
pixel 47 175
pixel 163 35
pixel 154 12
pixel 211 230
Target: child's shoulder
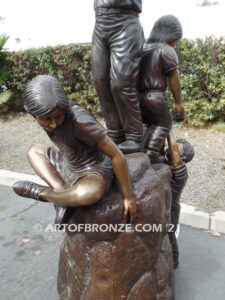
pixel 80 115
pixel 76 111
pixel 153 46
pixel 75 108
pixel 168 53
pixel 166 47
pixel 85 126
pixel 150 47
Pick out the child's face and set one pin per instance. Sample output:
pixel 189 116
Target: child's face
pixel 52 120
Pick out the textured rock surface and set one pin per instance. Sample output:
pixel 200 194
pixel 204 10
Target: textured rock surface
pixel 122 265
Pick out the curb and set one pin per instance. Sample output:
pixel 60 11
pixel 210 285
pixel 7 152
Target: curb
pixel 8 178
pixel 189 214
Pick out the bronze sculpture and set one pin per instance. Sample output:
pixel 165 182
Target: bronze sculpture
pixel 116 52
pixel 129 265
pixel 178 153
pixel 79 173
pixel 158 69
pixel 80 170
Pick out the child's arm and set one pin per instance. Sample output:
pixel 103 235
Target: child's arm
pixel 176 159
pixel 174 85
pixel 120 168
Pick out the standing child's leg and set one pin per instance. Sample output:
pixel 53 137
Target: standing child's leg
pixel 155 142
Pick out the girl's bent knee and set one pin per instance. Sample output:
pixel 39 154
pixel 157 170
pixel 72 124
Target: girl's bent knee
pixel 36 150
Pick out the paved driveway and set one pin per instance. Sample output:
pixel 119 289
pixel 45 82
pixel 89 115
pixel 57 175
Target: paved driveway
pixel 28 259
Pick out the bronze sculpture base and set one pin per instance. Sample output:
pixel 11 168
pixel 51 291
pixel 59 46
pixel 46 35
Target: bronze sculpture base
pixel 122 265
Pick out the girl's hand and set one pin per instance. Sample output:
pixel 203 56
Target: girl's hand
pixel 180 110
pixel 130 210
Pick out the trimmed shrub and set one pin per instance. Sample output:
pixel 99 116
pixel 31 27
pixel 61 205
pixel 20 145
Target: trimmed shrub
pixel 202 69
pixel 70 64
pixel 4 94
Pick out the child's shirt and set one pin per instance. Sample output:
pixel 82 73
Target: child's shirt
pixel 77 140
pixel 157 61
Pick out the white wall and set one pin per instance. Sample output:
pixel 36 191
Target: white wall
pixel 50 22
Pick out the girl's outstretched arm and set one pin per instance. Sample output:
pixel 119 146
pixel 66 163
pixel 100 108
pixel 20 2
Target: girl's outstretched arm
pixel 120 168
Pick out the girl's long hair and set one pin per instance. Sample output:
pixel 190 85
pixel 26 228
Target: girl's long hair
pixel 166 29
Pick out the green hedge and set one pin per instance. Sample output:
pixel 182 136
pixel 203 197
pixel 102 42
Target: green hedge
pixel 202 68
pixel 70 64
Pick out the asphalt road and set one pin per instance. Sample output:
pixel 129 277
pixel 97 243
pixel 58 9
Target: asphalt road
pixel 29 259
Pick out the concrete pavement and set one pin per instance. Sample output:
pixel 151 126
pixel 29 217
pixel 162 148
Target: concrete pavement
pixel 29 259
pixel 201 274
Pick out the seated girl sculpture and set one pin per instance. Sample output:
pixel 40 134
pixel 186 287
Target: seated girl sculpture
pixel 79 170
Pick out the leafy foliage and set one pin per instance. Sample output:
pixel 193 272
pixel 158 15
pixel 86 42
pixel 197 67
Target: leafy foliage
pixel 70 64
pixel 202 68
pixel 4 95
